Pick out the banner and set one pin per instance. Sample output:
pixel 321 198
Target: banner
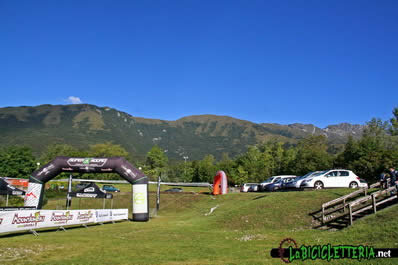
pixel 35 219
pixel 32 196
pixel 102 216
pixel 119 214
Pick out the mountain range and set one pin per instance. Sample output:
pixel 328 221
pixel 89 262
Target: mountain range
pixel 82 125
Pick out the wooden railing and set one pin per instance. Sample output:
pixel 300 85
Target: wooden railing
pixel 339 207
pixel 370 202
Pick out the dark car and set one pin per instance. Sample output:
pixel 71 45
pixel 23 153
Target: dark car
pixel 110 188
pixel 278 184
pixel 174 190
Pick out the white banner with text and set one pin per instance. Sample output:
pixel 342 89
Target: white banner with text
pixel 35 219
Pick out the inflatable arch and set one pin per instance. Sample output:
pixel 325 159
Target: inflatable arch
pixel 220 184
pixel 34 195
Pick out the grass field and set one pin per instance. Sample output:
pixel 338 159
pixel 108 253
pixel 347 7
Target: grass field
pixel 241 230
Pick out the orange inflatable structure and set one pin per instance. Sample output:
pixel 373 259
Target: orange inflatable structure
pixel 220 184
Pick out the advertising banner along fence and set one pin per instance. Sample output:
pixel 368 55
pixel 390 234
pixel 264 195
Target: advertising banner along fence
pixel 11 221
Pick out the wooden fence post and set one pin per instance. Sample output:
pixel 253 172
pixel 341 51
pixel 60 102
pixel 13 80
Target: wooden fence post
pixel 344 205
pixel 374 202
pixel 350 209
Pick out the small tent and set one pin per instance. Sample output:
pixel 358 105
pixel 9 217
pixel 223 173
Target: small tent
pixel 7 189
pixel 220 185
pixel 91 191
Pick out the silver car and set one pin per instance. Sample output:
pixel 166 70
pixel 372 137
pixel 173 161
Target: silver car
pixel 295 184
pixel 249 187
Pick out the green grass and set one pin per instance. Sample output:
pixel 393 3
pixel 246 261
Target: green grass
pixel 242 230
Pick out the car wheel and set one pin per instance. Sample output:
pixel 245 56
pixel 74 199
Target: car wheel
pixel 353 185
pixel 318 185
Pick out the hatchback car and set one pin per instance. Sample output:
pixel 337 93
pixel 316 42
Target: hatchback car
pixel 248 187
pixel 335 178
pixel 110 188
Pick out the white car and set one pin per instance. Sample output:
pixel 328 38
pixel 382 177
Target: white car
pixel 271 180
pixel 248 187
pixel 295 184
pixel 335 178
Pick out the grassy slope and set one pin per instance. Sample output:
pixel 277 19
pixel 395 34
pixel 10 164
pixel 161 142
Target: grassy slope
pixel 242 230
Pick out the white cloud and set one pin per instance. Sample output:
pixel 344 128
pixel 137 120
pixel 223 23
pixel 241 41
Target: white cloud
pixel 73 100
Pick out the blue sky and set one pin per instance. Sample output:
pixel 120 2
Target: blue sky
pixel 320 62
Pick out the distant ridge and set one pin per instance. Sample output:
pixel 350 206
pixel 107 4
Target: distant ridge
pixel 193 136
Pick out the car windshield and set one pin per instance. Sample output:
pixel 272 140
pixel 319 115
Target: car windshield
pixel 268 180
pixel 306 175
pixel 320 173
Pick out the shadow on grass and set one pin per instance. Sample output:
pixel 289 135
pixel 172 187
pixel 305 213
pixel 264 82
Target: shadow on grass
pixel 259 197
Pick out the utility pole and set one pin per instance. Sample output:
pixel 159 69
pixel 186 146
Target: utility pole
pixel 185 166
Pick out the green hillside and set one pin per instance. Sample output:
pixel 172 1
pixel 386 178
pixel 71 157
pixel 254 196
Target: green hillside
pixel 194 136
pixel 241 230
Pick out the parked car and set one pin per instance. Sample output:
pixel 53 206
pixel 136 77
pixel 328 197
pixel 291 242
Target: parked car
pixel 174 190
pixel 363 183
pixel 278 184
pixel 295 183
pixel 110 188
pixel 335 178
pixel 249 187
pixel 271 180
pixel 82 185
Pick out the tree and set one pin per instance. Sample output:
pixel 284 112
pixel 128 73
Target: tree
pixel 108 150
pixel 17 162
pixel 55 150
pixel 394 122
pixel 156 158
pixel 156 161
pixel 228 166
pixel 375 151
pixel 312 155
pixel 205 169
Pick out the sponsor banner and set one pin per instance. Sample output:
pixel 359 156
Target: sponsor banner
pixel 140 204
pixel 119 214
pixel 102 216
pixel 21 220
pixel 17 192
pixel 46 170
pixel 18 182
pixel 107 215
pixel 34 219
pixel 62 218
pixel 32 196
pixel 86 162
pixel 85 216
